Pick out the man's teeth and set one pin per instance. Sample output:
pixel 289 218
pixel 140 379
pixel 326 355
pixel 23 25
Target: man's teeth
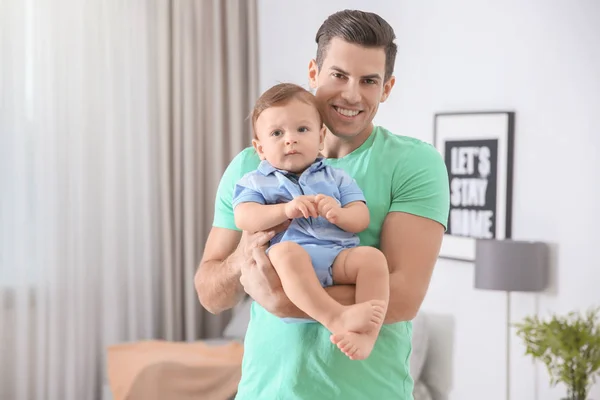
pixel 347 113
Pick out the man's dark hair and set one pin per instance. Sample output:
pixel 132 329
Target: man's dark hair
pixel 358 27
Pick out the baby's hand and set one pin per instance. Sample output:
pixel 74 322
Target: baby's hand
pixel 301 206
pixel 328 207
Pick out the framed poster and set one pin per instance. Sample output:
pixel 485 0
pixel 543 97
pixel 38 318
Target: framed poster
pixel 477 148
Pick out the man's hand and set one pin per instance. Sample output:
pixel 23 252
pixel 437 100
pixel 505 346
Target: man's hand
pixel 328 208
pixel 251 241
pixel 258 276
pixel 301 206
pixel 260 280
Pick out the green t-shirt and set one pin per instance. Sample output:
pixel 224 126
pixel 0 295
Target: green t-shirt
pixel 293 361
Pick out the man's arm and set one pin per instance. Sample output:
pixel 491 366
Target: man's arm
pixel 226 253
pixel 262 283
pixel 411 245
pixel 217 279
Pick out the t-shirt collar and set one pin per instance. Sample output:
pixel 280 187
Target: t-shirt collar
pixel 266 168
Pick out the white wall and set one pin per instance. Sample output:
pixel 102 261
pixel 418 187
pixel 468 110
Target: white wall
pixel 538 58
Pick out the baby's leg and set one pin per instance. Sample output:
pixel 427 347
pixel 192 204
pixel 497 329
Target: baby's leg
pixel 367 268
pixel 301 285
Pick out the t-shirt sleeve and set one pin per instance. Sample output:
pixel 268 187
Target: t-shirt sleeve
pixel 420 185
pixel 349 189
pixel 223 216
pixel 246 191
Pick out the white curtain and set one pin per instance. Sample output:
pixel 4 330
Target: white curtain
pixel 79 242
pixel 117 119
pixel 79 235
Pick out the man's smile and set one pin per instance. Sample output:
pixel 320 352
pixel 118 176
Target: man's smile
pixel 346 112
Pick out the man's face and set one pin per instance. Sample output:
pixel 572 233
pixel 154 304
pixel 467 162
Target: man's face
pixel 350 87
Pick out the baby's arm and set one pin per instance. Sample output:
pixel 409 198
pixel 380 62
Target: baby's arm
pixel 354 217
pixel 351 212
pixel 250 209
pixel 255 217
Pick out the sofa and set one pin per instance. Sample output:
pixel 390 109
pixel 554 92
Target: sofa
pixel 430 362
pixel 432 357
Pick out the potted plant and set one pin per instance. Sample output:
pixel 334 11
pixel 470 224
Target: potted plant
pixel 568 345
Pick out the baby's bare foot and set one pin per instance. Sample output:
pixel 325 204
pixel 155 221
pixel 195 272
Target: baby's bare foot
pixel 362 317
pixel 357 346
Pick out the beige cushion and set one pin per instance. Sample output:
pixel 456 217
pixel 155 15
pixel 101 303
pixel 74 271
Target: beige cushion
pixel 158 370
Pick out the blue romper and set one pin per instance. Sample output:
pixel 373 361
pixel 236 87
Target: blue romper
pixel 321 239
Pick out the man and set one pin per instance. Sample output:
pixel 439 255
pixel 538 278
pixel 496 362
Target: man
pixel 406 187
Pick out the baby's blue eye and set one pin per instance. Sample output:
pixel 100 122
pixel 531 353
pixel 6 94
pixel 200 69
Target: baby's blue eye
pixel 303 129
pixel 276 133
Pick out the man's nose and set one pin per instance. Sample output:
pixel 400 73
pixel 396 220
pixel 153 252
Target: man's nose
pixel 351 93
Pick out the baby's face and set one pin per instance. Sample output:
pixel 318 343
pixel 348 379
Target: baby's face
pixel 290 136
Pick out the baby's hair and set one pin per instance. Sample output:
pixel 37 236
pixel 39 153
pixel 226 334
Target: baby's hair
pixel 280 94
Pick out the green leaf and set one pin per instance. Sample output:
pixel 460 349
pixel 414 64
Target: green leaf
pixel 568 345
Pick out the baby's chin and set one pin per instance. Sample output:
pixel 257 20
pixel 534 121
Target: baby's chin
pixel 294 167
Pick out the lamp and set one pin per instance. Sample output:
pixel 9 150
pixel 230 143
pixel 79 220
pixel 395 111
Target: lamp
pixel 511 266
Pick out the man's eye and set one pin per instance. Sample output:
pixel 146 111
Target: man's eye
pixel 370 81
pixel 276 133
pixel 337 75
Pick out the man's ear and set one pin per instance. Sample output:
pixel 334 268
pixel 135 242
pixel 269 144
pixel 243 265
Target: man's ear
pixel 258 148
pixel 387 88
pixel 313 74
pixel 322 137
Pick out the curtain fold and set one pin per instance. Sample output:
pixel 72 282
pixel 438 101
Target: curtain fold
pixel 115 125
pixel 213 84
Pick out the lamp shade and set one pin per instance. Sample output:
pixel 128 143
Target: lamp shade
pixel 510 265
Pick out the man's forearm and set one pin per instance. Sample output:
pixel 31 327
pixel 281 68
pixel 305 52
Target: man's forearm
pixel 282 307
pixel 218 284
pixel 400 308
pixel 404 301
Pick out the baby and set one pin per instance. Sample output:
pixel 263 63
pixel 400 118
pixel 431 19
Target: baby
pixel 326 208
